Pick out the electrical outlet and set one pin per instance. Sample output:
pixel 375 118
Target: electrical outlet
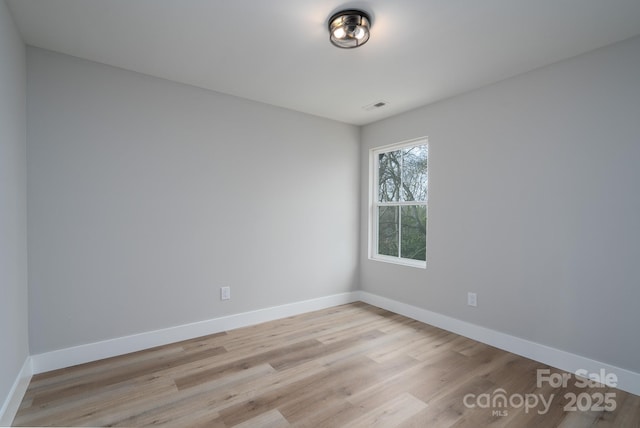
pixel 472 299
pixel 225 293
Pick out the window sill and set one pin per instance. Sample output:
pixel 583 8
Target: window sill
pixel 398 261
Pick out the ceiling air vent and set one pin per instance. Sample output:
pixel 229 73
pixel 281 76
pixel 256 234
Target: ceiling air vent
pixel 375 106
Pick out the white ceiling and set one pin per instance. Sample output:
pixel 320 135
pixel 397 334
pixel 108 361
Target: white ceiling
pixel 278 51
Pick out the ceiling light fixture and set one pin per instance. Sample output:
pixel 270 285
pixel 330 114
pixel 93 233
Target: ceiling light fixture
pixel 349 28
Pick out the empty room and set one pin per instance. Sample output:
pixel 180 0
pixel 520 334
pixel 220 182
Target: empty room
pixel 307 213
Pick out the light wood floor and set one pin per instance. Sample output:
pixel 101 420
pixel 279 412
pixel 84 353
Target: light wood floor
pixel 352 365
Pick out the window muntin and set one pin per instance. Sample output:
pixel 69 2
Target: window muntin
pixel 399 212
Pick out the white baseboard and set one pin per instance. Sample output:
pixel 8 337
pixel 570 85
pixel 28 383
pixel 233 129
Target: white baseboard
pixel 123 345
pixel 12 403
pixel 627 380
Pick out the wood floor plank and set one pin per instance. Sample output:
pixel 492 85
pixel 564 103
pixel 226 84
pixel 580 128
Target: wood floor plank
pixel 340 374
pixel 239 365
pixel 350 365
pixel 627 411
pixel 391 414
pixel 209 397
pixel 115 376
pixel 61 378
pixel 130 395
pixel 269 419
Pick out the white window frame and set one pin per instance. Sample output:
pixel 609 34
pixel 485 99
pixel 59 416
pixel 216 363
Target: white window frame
pixel 374 203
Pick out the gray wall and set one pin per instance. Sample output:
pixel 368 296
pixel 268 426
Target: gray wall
pixel 145 196
pixel 534 204
pixel 13 204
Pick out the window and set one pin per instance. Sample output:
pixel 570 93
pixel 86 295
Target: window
pixel 399 203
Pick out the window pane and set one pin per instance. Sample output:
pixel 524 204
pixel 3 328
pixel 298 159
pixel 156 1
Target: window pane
pixel 388 231
pixel 414 232
pixel 414 173
pixel 389 176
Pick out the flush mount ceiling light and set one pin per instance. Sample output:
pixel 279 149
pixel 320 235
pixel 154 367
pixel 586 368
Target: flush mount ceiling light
pixel 349 29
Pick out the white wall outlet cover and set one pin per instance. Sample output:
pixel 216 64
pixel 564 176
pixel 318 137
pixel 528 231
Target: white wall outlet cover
pixel 472 299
